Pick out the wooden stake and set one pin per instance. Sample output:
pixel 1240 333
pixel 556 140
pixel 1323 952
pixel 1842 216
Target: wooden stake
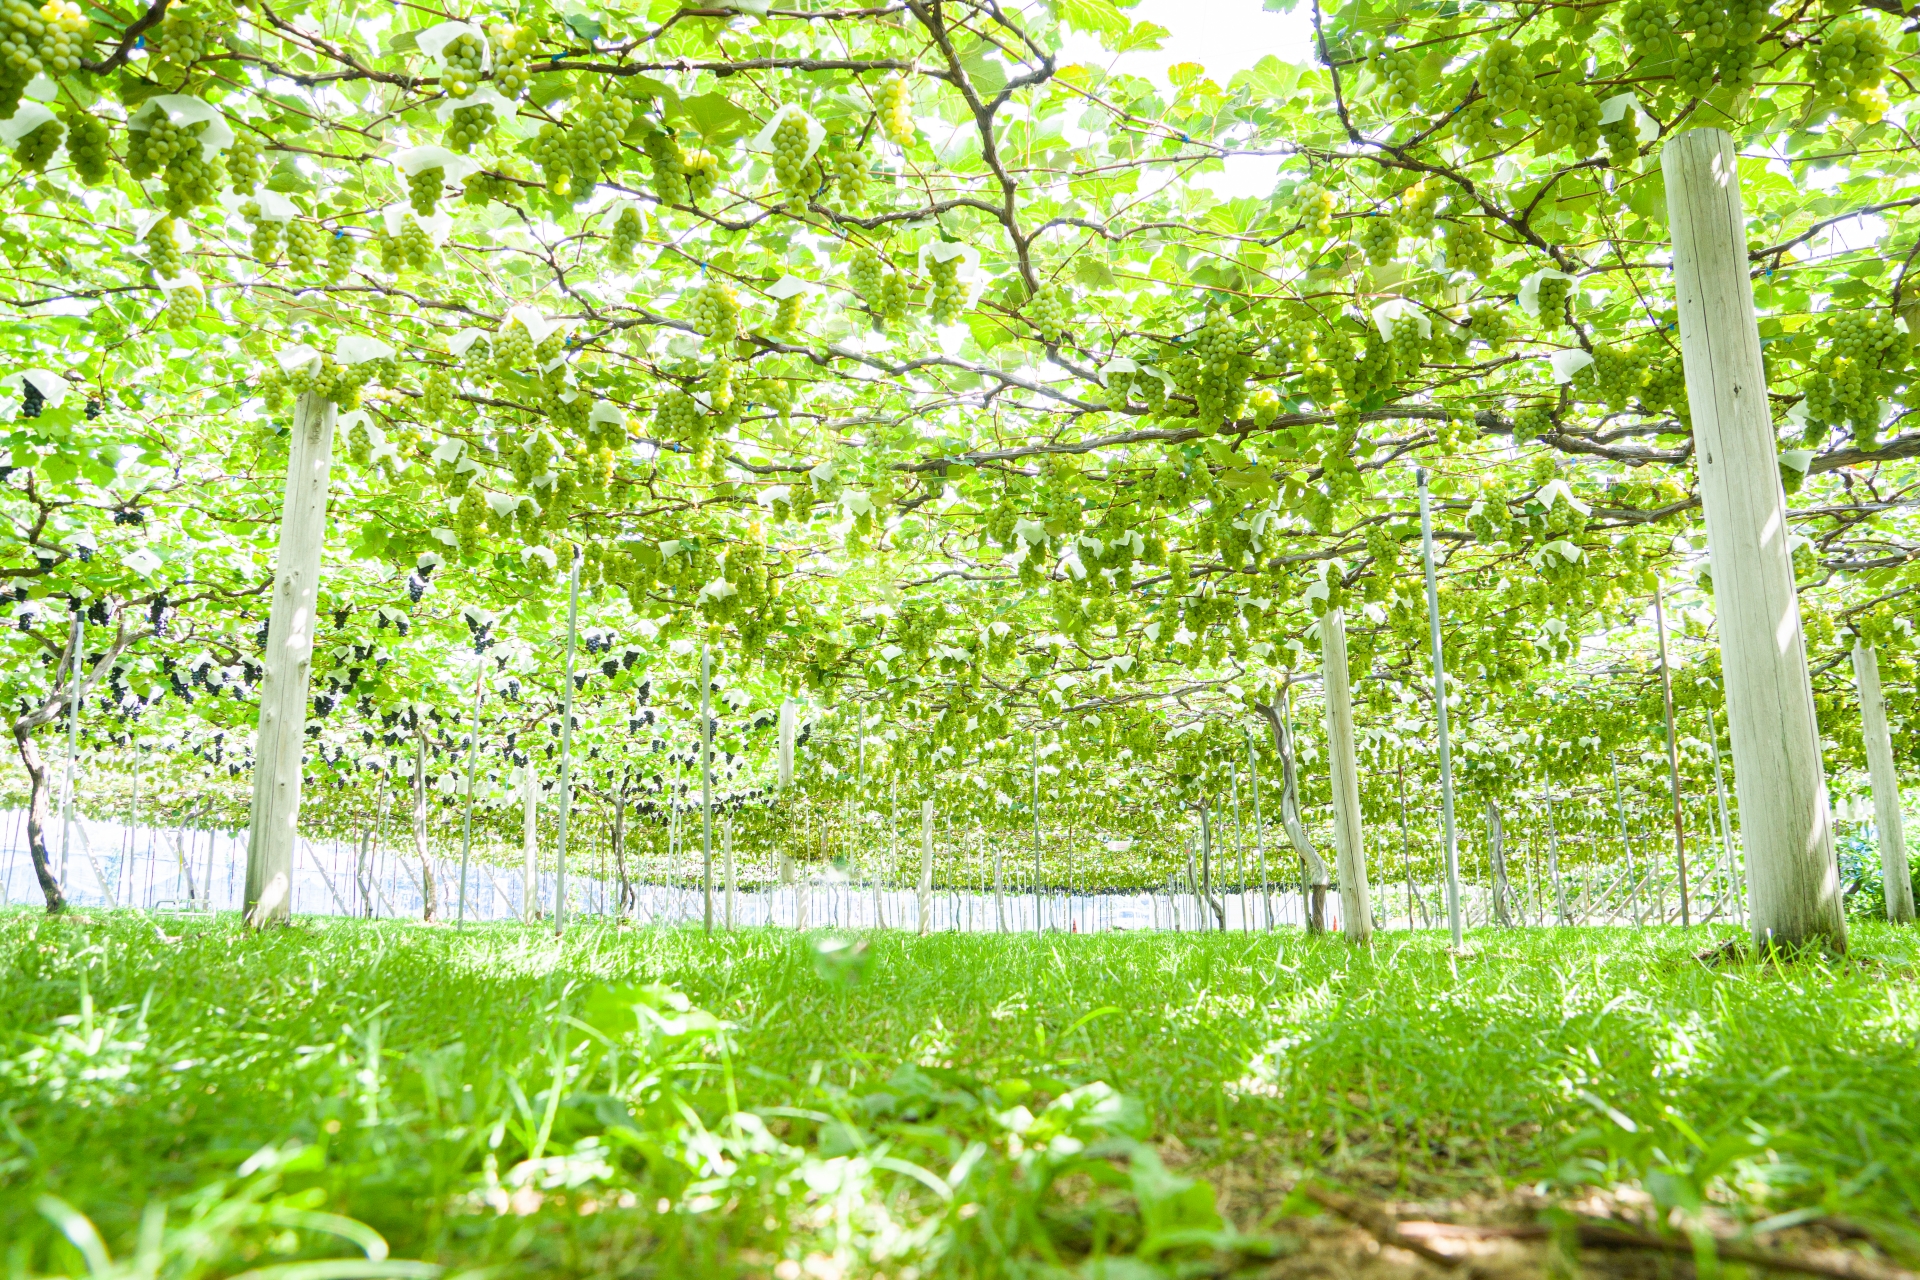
pixel 1673 759
pixel 1451 849
pixel 566 749
pixel 1887 823
pixel 1349 832
pixel 1794 883
pixel 280 740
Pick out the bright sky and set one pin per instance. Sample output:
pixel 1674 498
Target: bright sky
pixel 1224 36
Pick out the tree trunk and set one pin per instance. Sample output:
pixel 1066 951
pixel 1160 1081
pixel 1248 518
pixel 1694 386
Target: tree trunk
pixel 1794 884
pixel 427 904
pixel 280 741
pixel 37 789
pixel 1887 823
pixel 1497 863
pixel 1349 833
pixel 1316 866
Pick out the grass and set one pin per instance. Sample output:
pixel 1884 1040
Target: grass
pixel 964 1105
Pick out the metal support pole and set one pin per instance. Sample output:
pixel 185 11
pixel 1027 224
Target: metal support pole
pixel 1451 850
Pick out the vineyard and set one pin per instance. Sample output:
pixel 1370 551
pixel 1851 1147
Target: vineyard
pixel 929 640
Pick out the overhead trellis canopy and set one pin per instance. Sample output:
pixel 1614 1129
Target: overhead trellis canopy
pixel 906 359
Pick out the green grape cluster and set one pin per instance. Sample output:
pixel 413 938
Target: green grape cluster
pixel 468 126
pixel 1313 206
pixel 163 250
pixel 848 167
pixel 719 385
pixel 264 242
pixel 1379 238
pixel 1665 386
pixel 792 166
pixel 462 58
pixel 1469 247
pixel 423 189
pixel 483 188
pixel 1220 381
pixel 511 47
pixel 550 150
pixel 186 36
pixel 715 311
pixel 1725 36
pixel 1473 126
pixel 1489 323
pixel 1505 78
pixel 600 121
pixel 1645 25
pixel 37 146
pixel 1554 292
pixel 1866 358
pixel 303 245
pixel 945 291
pixel 1047 312
pixel 393 254
pixel 864 269
pixel 1419 205
pixel 338 383
pixel 895 296
pixel 1407 347
pixel 88 146
pixel 243 162
pixel 1532 422
pixel 513 349
pixel 627 233
pixel 678 416
pixel 470 520
pixel 1399 73
pixel 183 306
pixel 272 387
pixel 1622 138
pixel 667 165
pixel 341 251
pixel 896 112
pixel 436 396
pixel 1849 62
pixel 1569 117
pixel 787 317
pixel 1614 378
pixel 702 169
pixel 174 152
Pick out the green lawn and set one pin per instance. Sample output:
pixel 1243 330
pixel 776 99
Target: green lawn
pixel 914 1105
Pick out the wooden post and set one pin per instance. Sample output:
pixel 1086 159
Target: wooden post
pixel 1349 833
pixel 566 749
pixel 1626 839
pixel 1259 832
pixel 726 856
pixel 1451 848
pixel 280 741
pixel 1887 824
pixel 706 786
pixel 1036 831
pixel 473 756
pixel 1793 883
pixel 926 862
pixel 1673 759
pixel 1553 853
